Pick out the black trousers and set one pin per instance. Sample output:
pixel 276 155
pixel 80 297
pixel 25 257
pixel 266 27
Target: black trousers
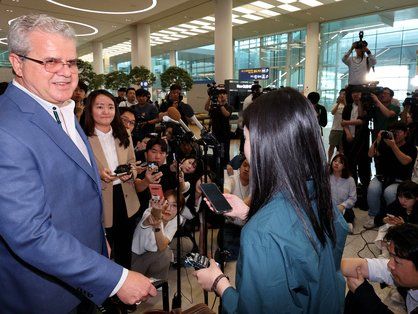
pixel 121 233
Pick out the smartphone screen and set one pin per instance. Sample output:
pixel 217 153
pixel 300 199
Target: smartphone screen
pixel 214 195
pixel 156 191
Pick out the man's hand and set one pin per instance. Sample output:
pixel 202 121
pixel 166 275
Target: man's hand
pixel 354 282
pixel 136 288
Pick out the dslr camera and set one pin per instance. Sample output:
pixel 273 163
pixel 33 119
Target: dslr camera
pixel 386 135
pixel 360 44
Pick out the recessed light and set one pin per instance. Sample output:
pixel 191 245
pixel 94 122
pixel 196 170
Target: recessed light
pixel 9 11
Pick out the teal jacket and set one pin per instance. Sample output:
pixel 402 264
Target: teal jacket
pixel 280 271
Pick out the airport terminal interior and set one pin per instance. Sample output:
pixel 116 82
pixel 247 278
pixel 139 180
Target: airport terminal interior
pixel 295 43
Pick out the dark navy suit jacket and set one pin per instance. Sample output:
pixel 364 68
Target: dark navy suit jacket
pixel 52 245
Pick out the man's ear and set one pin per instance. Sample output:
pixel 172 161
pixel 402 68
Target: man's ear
pixel 17 64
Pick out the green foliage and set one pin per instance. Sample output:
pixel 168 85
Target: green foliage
pixel 141 74
pixel 116 79
pixel 176 75
pixel 98 81
pixel 87 75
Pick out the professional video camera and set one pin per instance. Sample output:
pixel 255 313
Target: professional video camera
pixel 213 93
pixel 366 98
pixel 412 102
pixel 361 43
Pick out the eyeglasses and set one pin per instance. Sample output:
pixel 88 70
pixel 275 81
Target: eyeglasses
pixel 54 65
pixel 129 122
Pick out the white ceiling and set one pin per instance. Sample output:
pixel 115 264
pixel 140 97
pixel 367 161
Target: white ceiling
pixel 114 29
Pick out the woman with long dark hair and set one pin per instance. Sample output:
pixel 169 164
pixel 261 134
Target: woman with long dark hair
pixel 343 188
pixel 112 146
pixel 292 242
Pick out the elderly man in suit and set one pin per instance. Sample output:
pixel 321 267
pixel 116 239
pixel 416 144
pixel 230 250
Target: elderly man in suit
pixel 52 246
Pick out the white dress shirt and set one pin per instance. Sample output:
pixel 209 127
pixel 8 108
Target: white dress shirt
pixel 107 141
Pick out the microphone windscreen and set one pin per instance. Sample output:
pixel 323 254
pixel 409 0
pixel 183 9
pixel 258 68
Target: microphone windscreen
pixel 173 113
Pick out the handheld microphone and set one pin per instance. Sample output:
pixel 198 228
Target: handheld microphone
pixel 168 119
pixel 175 117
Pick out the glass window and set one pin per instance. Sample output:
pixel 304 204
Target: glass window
pixel 394 43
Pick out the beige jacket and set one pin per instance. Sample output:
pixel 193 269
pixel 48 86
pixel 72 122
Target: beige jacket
pixel 125 156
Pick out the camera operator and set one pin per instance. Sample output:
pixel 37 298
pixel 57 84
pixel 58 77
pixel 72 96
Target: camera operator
pixel 146 116
pixel 220 114
pixel 174 99
pixel 395 157
pixel 385 112
pixel 256 90
pixel 358 65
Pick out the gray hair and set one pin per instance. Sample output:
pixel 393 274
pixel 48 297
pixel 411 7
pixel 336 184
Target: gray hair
pixel 20 28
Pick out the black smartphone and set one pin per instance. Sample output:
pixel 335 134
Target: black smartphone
pixel 216 198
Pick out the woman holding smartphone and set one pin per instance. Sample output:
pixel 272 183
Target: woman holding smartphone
pixel 293 239
pixel 112 146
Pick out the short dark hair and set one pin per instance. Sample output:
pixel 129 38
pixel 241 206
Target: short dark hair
pixel 122 110
pixel 408 189
pixel 345 174
pixel 122 89
pixel 405 240
pixel 342 90
pixel 141 92
pixel 130 88
pixel 175 87
pixel 83 86
pixel 156 141
pixel 314 97
pixel 118 129
pixel 390 91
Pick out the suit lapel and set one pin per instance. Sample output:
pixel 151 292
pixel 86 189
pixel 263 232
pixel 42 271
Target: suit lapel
pixel 45 122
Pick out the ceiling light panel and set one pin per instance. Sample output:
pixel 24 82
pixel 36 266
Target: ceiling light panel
pixel 268 13
pixel 209 18
pixel 287 1
pixel 262 4
pixel 238 21
pixel 311 3
pixel 288 7
pixel 252 17
pixel 198 22
pixel 187 26
pixel 177 29
pixel 209 27
pixel 243 10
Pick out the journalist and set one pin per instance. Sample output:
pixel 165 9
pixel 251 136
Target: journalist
pixel 220 114
pixel 395 157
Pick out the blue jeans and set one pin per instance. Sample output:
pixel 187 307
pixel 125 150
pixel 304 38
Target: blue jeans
pixel 374 195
